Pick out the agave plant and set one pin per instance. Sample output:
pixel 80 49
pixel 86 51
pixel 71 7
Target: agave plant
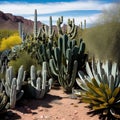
pixel 101 87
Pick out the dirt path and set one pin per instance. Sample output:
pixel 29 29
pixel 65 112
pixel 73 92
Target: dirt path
pixel 55 106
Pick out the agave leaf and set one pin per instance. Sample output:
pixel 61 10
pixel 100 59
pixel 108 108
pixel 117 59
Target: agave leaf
pixel 91 96
pixel 89 72
pixel 81 84
pixel 117 80
pixel 107 67
pixel 95 82
pixel 98 78
pixel 95 89
pixel 101 99
pixel 105 80
pixel 86 100
pixel 116 91
pixel 108 92
pixel 99 68
pixel 114 69
pixel 94 69
pixel 94 102
pixel 111 100
pixel 111 82
pixel 101 106
pixel 82 76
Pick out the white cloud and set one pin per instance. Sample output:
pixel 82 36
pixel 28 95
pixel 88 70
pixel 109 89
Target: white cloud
pixel 27 8
pixel 24 9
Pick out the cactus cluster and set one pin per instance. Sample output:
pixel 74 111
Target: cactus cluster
pixel 39 85
pixel 13 85
pixel 65 61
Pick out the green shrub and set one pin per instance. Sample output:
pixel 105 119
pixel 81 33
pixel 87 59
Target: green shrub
pixel 25 60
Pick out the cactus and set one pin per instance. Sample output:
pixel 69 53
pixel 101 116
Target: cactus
pixel 47 32
pixel 51 31
pixel 59 22
pixel 101 88
pixel 13 85
pixel 84 24
pixel 4 59
pixel 71 29
pixel 39 86
pixel 63 65
pixel 35 24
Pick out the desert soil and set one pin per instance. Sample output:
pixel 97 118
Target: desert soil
pixel 56 105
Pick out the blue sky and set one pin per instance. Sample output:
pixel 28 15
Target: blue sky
pixel 77 9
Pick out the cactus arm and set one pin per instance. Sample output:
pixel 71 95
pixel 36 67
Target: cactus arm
pixel 13 97
pixel 13 93
pixel 59 22
pixel 20 77
pixel 33 75
pixel 53 67
pixel 74 72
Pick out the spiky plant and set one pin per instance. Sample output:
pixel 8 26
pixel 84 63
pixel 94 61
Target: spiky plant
pixel 101 88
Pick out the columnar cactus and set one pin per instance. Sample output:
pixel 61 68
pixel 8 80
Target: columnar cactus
pixel 71 28
pixel 39 86
pixel 84 24
pixel 62 64
pixel 4 59
pixel 13 85
pixel 51 31
pixel 47 32
pixel 59 22
pixel 35 24
pixel 20 29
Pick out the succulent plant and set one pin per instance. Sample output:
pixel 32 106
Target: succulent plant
pixel 4 59
pixel 101 87
pixel 35 24
pixel 71 28
pixel 62 64
pixel 59 22
pixel 13 85
pixel 39 85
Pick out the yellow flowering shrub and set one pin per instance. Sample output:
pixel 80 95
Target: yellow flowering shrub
pixel 9 42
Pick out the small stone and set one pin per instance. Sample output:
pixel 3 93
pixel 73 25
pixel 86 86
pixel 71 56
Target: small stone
pixel 41 109
pixel 42 116
pixel 75 105
pixel 71 103
pixel 75 112
pixel 56 117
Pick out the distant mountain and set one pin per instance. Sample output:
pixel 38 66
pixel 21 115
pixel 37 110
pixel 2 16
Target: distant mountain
pixel 10 22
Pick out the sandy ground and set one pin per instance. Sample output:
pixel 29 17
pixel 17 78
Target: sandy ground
pixel 57 105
